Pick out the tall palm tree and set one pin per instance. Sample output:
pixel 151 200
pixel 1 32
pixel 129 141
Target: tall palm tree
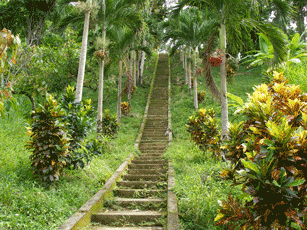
pixel 122 39
pixel 190 29
pixel 82 61
pixel 121 13
pixel 231 14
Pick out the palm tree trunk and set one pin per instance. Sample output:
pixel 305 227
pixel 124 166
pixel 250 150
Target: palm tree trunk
pixel 189 73
pixel 119 93
pixel 134 67
pixel 131 66
pixel 195 81
pixel 100 97
pixel 143 54
pixel 181 57
pixel 215 92
pixel 101 73
pixel 82 60
pixel 224 103
pixel 186 68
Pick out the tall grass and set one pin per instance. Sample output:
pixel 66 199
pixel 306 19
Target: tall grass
pixel 297 74
pixel 198 186
pixel 24 203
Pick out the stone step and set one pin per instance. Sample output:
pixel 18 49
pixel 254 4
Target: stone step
pixel 156 140
pixel 154 134
pixel 154 204
pixel 142 184
pixel 148 162
pixel 148 157
pixel 147 171
pixel 127 193
pixel 157 112
pixel 118 218
pixel 144 177
pixel 152 151
pixel 147 166
pixel 161 144
pixel 125 228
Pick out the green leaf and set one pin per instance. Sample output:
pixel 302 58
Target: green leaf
pixel 295 40
pixel 296 182
pixel 235 98
pixel 276 184
pixel 250 165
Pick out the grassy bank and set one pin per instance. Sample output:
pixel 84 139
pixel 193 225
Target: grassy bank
pixel 198 185
pixel 24 203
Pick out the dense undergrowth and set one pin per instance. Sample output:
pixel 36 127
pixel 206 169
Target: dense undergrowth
pixel 198 185
pixel 24 203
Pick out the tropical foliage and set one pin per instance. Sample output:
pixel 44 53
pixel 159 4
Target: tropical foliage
pixel 267 155
pixel 49 141
pixel 205 131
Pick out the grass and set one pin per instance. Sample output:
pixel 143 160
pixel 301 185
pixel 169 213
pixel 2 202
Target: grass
pixel 24 203
pixel 198 186
pixel 296 73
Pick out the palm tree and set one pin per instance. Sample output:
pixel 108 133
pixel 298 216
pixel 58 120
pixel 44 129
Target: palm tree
pixel 231 15
pixel 114 13
pixel 119 50
pixel 191 30
pixel 80 79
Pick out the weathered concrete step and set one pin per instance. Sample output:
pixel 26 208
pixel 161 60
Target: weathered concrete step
pixel 142 184
pixel 126 228
pixel 156 140
pixel 154 112
pixel 152 154
pixel 149 157
pixel 138 193
pixel 133 217
pixel 162 162
pixel 148 202
pixel 156 123
pixel 145 177
pixel 147 171
pixel 154 128
pixel 153 145
pixel 147 166
pixel 152 151
pixel 157 116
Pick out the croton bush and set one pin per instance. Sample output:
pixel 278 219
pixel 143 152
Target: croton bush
pixel 49 141
pixel 79 119
pixel 125 108
pixel 204 129
pixel 267 155
pixel 109 124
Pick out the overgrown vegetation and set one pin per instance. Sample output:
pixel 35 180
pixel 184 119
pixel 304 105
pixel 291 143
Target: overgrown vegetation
pixel 198 184
pixel 26 204
pixel 267 155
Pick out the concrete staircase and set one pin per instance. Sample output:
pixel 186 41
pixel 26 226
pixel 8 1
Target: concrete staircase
pixel 140 198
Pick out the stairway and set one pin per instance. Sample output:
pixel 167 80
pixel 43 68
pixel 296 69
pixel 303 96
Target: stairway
pixel 140 199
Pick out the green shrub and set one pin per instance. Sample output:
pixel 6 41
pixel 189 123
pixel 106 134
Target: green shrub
pixel 296 73
pixel 125 108
pixel 201 96
pixel 204 130
pixel 109 124
pixel 268 158
pixel 79 121
pixel 49 141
